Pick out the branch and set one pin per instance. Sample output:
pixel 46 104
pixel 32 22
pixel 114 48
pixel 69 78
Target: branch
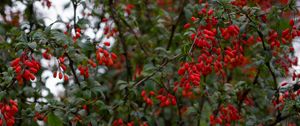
pixel 174 26
pixel 72 69
pixel 74 18
pixel 135 35
pixel 159 69
pixel 281 118
pixel 122 40
pixel 255 81
pixel 149 77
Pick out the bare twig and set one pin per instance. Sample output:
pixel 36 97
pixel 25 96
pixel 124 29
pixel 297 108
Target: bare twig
pixel 122 40
pixel 71 63
pixel 174 26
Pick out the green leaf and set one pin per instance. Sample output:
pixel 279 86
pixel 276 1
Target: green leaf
pixel 53 120
pixel 2 94
pixel 32 45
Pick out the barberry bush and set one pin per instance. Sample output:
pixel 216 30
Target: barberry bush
pixel 150 62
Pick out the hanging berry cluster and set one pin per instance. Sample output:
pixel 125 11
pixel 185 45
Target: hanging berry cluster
pixel 104 57
pixel 225 115
pixel 8 110
pixel 287 93
pixel 40 117
pixel 77 34
pixel 62 66
pixel 211 55
pixel 108 30
pixel 120 122
pixel 147 98
pixel 25 67
pixel 46 55
pixel 166 99
pixel 277 42
pixel 84 71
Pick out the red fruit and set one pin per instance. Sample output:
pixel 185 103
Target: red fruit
pixel 66 78
pixel 100 50
pixel 60 75
pixel 167 102
pixel 151 93
pixel 120 121
pixel 106 54
pixel 15 62
pixel 63 66
pixel 7 108
pixel 110 62
pixel 29 64
pixel 54 74
pixel 46 56
pixel 292 22
pixel 106 43
pixel 193 19
pixel 210 12
pixel 18 69
pixel 283 84
pixel 84 107
pixel 174 101
pixel 61 59
pixel 181 71
pixel 14 108
pixel 32 77
pixel 187 25
pixel 149 101
pixel 143 94
pixel 113 56
pixel 13 102
pixel 78 30
pixel 78 35
pixel 33 70
pixel 104 20
pixel 92 63
pixel 10 122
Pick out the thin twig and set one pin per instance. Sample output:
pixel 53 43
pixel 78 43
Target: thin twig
pixel 71 63
pixel 122 40
pixel 174 26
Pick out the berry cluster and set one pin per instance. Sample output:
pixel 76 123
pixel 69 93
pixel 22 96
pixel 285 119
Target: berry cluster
pixel 77 34
pixel 84 71
pixel 226 115
pixel 47 3
pixel 8 110
pixel 40 117
pixel 147 98
pixel 104 57
pixel 128 8
pixel 63 67
pixel 120 122
pixel 288 93
pixel 25 67
pixel 165 98
pixel 46 55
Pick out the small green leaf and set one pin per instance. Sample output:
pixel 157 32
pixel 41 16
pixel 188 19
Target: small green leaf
pixel 2 94
pixel 53 120
pixel 32 45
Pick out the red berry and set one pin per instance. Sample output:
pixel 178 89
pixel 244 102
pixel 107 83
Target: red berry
pixel 143 94
pixel 54 74
pixel 187 25
pixel 60 75
pixel 66 78
pixel 106 43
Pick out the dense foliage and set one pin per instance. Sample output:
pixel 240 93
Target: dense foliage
pixel 154 62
